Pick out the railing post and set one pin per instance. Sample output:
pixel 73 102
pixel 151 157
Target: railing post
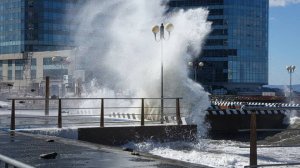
pixel 102 113
pixel 162 108
pixel 13 116
pixel 178 118
pixel 143 113
pixel 47 93
pixel 59 118
pixel 253 144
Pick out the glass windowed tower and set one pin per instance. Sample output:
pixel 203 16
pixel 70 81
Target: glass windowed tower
pixel 32 31
pixel 235 54
pixel 35 25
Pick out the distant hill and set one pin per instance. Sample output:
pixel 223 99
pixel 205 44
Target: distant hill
pixel 282 87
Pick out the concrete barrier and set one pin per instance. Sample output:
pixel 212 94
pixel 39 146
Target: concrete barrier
pixel 229 122
pixel 225 124
pixel 123 135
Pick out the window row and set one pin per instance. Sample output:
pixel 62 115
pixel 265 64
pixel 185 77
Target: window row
pixel 57 38
pixel 11 49
pixel 4 28
pixel 58 27
pixel 54 15
pixel 5 16
pixel 10 4
pixel 219 53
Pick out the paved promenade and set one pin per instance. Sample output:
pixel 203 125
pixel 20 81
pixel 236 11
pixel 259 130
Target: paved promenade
pixel 27 148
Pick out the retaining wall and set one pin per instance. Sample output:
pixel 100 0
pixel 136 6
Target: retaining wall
pixel 123 135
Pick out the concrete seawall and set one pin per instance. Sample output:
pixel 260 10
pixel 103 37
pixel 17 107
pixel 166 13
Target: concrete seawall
pixel 227 126
pixel 233 123
pixel 123 135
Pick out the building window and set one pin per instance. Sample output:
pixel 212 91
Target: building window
pixel 55 70
pixel 1 70
pixel 9 75
pixel 19 69
pixel 33 68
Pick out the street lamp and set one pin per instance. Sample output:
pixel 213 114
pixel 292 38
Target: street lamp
pixel 61 61
pixel 195 66
pixel 9 86
pixel 161 29
pixel 291 69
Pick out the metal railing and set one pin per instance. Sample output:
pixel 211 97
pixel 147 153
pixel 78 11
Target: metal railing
pixel 9 162
pixel 100 110
pixel 253 136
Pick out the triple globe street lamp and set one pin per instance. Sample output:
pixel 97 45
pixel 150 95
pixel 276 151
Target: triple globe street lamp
pixel 291 69
pixel 161 30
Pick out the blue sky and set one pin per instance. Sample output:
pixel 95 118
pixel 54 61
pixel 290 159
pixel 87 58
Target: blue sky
pixel 284 40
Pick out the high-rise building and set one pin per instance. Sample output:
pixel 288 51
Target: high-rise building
pixel 35 25
pixel 235 54
pixel 32 32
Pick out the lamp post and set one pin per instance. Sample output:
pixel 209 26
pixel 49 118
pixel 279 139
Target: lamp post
pixel 291 69
pixel 195 66
pixel 9 86
pixel 161 29
pixel 61 61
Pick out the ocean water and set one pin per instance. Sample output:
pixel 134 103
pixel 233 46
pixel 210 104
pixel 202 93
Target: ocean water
pixel 226 153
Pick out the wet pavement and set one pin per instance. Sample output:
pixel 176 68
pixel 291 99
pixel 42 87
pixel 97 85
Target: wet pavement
pixel 27 148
